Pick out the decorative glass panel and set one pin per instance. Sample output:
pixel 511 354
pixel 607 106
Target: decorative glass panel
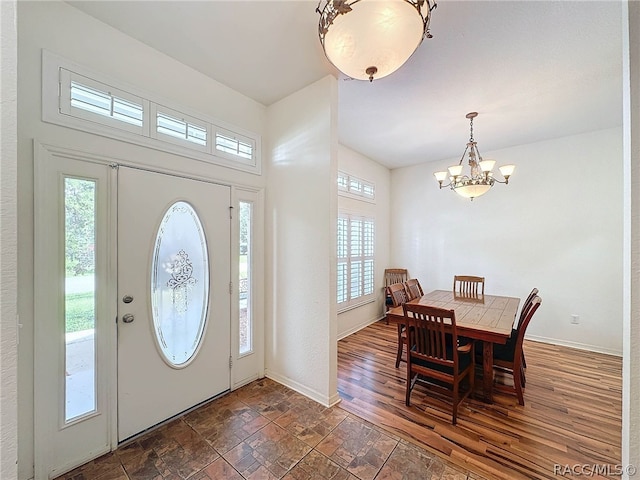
pixel 79 297
pixel 179 284
pixel 244 280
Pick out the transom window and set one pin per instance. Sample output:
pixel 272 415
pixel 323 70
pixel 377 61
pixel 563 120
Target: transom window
pixel 78 98
pixel 355 252
pixel 354 186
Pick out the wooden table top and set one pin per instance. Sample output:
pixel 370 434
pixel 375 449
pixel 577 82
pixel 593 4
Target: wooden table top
pixel 486 317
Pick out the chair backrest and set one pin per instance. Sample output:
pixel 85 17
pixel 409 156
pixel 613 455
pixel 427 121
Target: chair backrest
pixel 535 303
pixel 429 334
pixel 395 275
pixel 468 284
pixel 414 290
pixel 398 294
pixel 526 305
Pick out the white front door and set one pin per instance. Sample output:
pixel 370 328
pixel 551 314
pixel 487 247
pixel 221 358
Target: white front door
pixel 173 296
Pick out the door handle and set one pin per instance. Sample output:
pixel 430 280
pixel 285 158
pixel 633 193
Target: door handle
pixel 128 318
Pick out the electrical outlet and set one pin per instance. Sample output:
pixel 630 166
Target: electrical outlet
pixel 575 319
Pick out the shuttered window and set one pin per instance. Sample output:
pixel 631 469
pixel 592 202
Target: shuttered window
pixel 355 253
pixel 234 146
pixel 105 104
pixel 178 128
pixel 352 186
pixel 76 97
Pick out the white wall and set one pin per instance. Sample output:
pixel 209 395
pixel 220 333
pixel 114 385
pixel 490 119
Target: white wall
pixel 301 206
pixel 352 162
pixel 556 226
pixel 8 245
pixel 70 33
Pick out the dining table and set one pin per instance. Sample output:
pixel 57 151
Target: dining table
pixel 488 318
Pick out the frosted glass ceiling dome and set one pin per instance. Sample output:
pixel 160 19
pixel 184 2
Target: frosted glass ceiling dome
pixel 367 39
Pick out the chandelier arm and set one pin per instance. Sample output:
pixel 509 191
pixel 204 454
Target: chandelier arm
pixel 463 154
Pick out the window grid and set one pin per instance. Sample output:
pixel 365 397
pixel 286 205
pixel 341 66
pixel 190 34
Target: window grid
pixel 355 186
pixel 355 255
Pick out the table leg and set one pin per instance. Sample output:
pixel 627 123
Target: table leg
pixel 487 374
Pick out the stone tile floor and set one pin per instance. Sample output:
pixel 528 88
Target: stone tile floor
pixel 266 431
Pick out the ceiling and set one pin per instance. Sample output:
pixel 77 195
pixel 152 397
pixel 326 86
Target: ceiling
pixel 534 70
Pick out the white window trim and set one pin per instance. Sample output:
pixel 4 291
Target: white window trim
pixel 347 192
pixel 363 299
pixel 53 68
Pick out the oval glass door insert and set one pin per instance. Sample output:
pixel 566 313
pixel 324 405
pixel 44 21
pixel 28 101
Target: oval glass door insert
pixel 179 284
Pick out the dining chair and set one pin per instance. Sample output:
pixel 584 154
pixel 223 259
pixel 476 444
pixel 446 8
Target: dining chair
pixel 468 285
pixel 414 290
pixel 514 334
pixel 523 311
pixel 391 276
pixel 433 361
pixel 399 297
pixel 508 358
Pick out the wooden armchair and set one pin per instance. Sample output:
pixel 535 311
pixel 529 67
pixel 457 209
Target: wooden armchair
pixel 433 360
pixel 395 275
pixel 392 276
pixel 468 285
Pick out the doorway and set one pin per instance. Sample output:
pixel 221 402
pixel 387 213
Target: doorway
pixel 132 305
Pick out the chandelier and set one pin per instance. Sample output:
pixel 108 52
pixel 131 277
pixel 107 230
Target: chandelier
pixel 481 178
pixel 367 39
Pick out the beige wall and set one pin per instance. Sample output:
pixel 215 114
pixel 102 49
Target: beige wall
pixel 301 344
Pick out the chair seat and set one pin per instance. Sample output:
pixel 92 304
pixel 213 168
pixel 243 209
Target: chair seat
pixel 464 360
pixel 507 351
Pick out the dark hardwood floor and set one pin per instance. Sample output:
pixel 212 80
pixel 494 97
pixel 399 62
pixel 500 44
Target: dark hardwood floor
pixel 572 412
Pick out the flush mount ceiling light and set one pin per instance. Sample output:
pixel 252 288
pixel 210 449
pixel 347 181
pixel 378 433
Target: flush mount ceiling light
pixel 367 39
pixel 481 177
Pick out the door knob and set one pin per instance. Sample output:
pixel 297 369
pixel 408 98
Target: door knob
pixel 128 318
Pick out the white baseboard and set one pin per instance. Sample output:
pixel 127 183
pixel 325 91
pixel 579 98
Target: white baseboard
pixel 360 326
pixel 246 381
pixel 306 391
pixel 579 346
